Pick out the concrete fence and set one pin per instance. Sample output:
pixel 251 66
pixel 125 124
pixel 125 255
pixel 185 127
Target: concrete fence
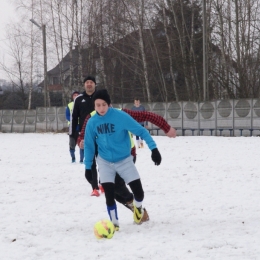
pixel 29 121
pixel 220 117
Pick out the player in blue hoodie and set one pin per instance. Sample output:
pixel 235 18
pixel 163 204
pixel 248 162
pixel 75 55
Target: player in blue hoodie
pixel 109 128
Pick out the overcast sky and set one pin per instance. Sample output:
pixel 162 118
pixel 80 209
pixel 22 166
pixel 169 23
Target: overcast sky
pixel 7 14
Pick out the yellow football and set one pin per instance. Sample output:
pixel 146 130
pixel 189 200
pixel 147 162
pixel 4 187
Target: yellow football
pixel 104 229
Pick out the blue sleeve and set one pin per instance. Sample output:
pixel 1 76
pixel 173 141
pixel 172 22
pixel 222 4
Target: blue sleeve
pixel 89 145
pixel 67 113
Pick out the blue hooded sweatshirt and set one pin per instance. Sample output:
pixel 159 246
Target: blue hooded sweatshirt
pixel 110 132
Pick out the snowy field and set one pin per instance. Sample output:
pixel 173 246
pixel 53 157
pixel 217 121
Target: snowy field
pixel 203 202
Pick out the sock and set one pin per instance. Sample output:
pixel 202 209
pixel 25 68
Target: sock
pixel 112 212
pixel 137 203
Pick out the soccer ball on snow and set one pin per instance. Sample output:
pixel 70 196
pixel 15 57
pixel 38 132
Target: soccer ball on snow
pixel 104 229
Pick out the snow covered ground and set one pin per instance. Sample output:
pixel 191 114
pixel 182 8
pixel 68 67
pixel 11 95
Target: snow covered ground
pixel 203 202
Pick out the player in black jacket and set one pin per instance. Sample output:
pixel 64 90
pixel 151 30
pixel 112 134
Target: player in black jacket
pixel 83 106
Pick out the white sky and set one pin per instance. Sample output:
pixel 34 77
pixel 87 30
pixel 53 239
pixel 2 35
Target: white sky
pixel 7 14
pixel 203 202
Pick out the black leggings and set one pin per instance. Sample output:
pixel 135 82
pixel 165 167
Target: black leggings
pixel 93 177
pixel 122 193
pixel 109 188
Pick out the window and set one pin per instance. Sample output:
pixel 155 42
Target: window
pixel 55 80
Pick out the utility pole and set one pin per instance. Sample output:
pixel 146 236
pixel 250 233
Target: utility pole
pixel 45 64
pixel 43 28
pixel 205 53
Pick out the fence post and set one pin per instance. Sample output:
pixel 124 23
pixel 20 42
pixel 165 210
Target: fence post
pixel 198 117
pixel 46 125
pixel 12 121
pixel 233 117
pixel 252 102
pixel 25 116
pixel 216 118
pixel 182 117
pixel 1 111
pixel 57 118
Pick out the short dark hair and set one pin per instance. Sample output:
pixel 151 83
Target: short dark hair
pixel 137 99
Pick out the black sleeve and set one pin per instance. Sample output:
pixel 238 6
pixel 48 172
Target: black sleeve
pixel 75 118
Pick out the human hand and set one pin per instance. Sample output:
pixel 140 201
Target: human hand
pixel 156 156
pixel 81 144
pixel 171 133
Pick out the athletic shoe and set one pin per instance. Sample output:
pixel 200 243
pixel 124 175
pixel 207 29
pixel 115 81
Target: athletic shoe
pixel 145 216
pixel 130 205
pixel 95 193
pixel 81 162
pixel 140 215
pixel 73 160
pixel 101 189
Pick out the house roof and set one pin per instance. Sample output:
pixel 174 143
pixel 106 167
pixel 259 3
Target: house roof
pixel 65 63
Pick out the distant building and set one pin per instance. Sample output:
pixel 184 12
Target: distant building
pixel 60 79
pixel 4 85
pixel 3 82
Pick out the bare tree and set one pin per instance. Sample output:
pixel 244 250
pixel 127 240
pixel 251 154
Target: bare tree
pixel 152 48
pixel 165 24
pixel 20 65
pixel 32 61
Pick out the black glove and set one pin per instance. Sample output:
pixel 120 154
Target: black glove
pixel 156 156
